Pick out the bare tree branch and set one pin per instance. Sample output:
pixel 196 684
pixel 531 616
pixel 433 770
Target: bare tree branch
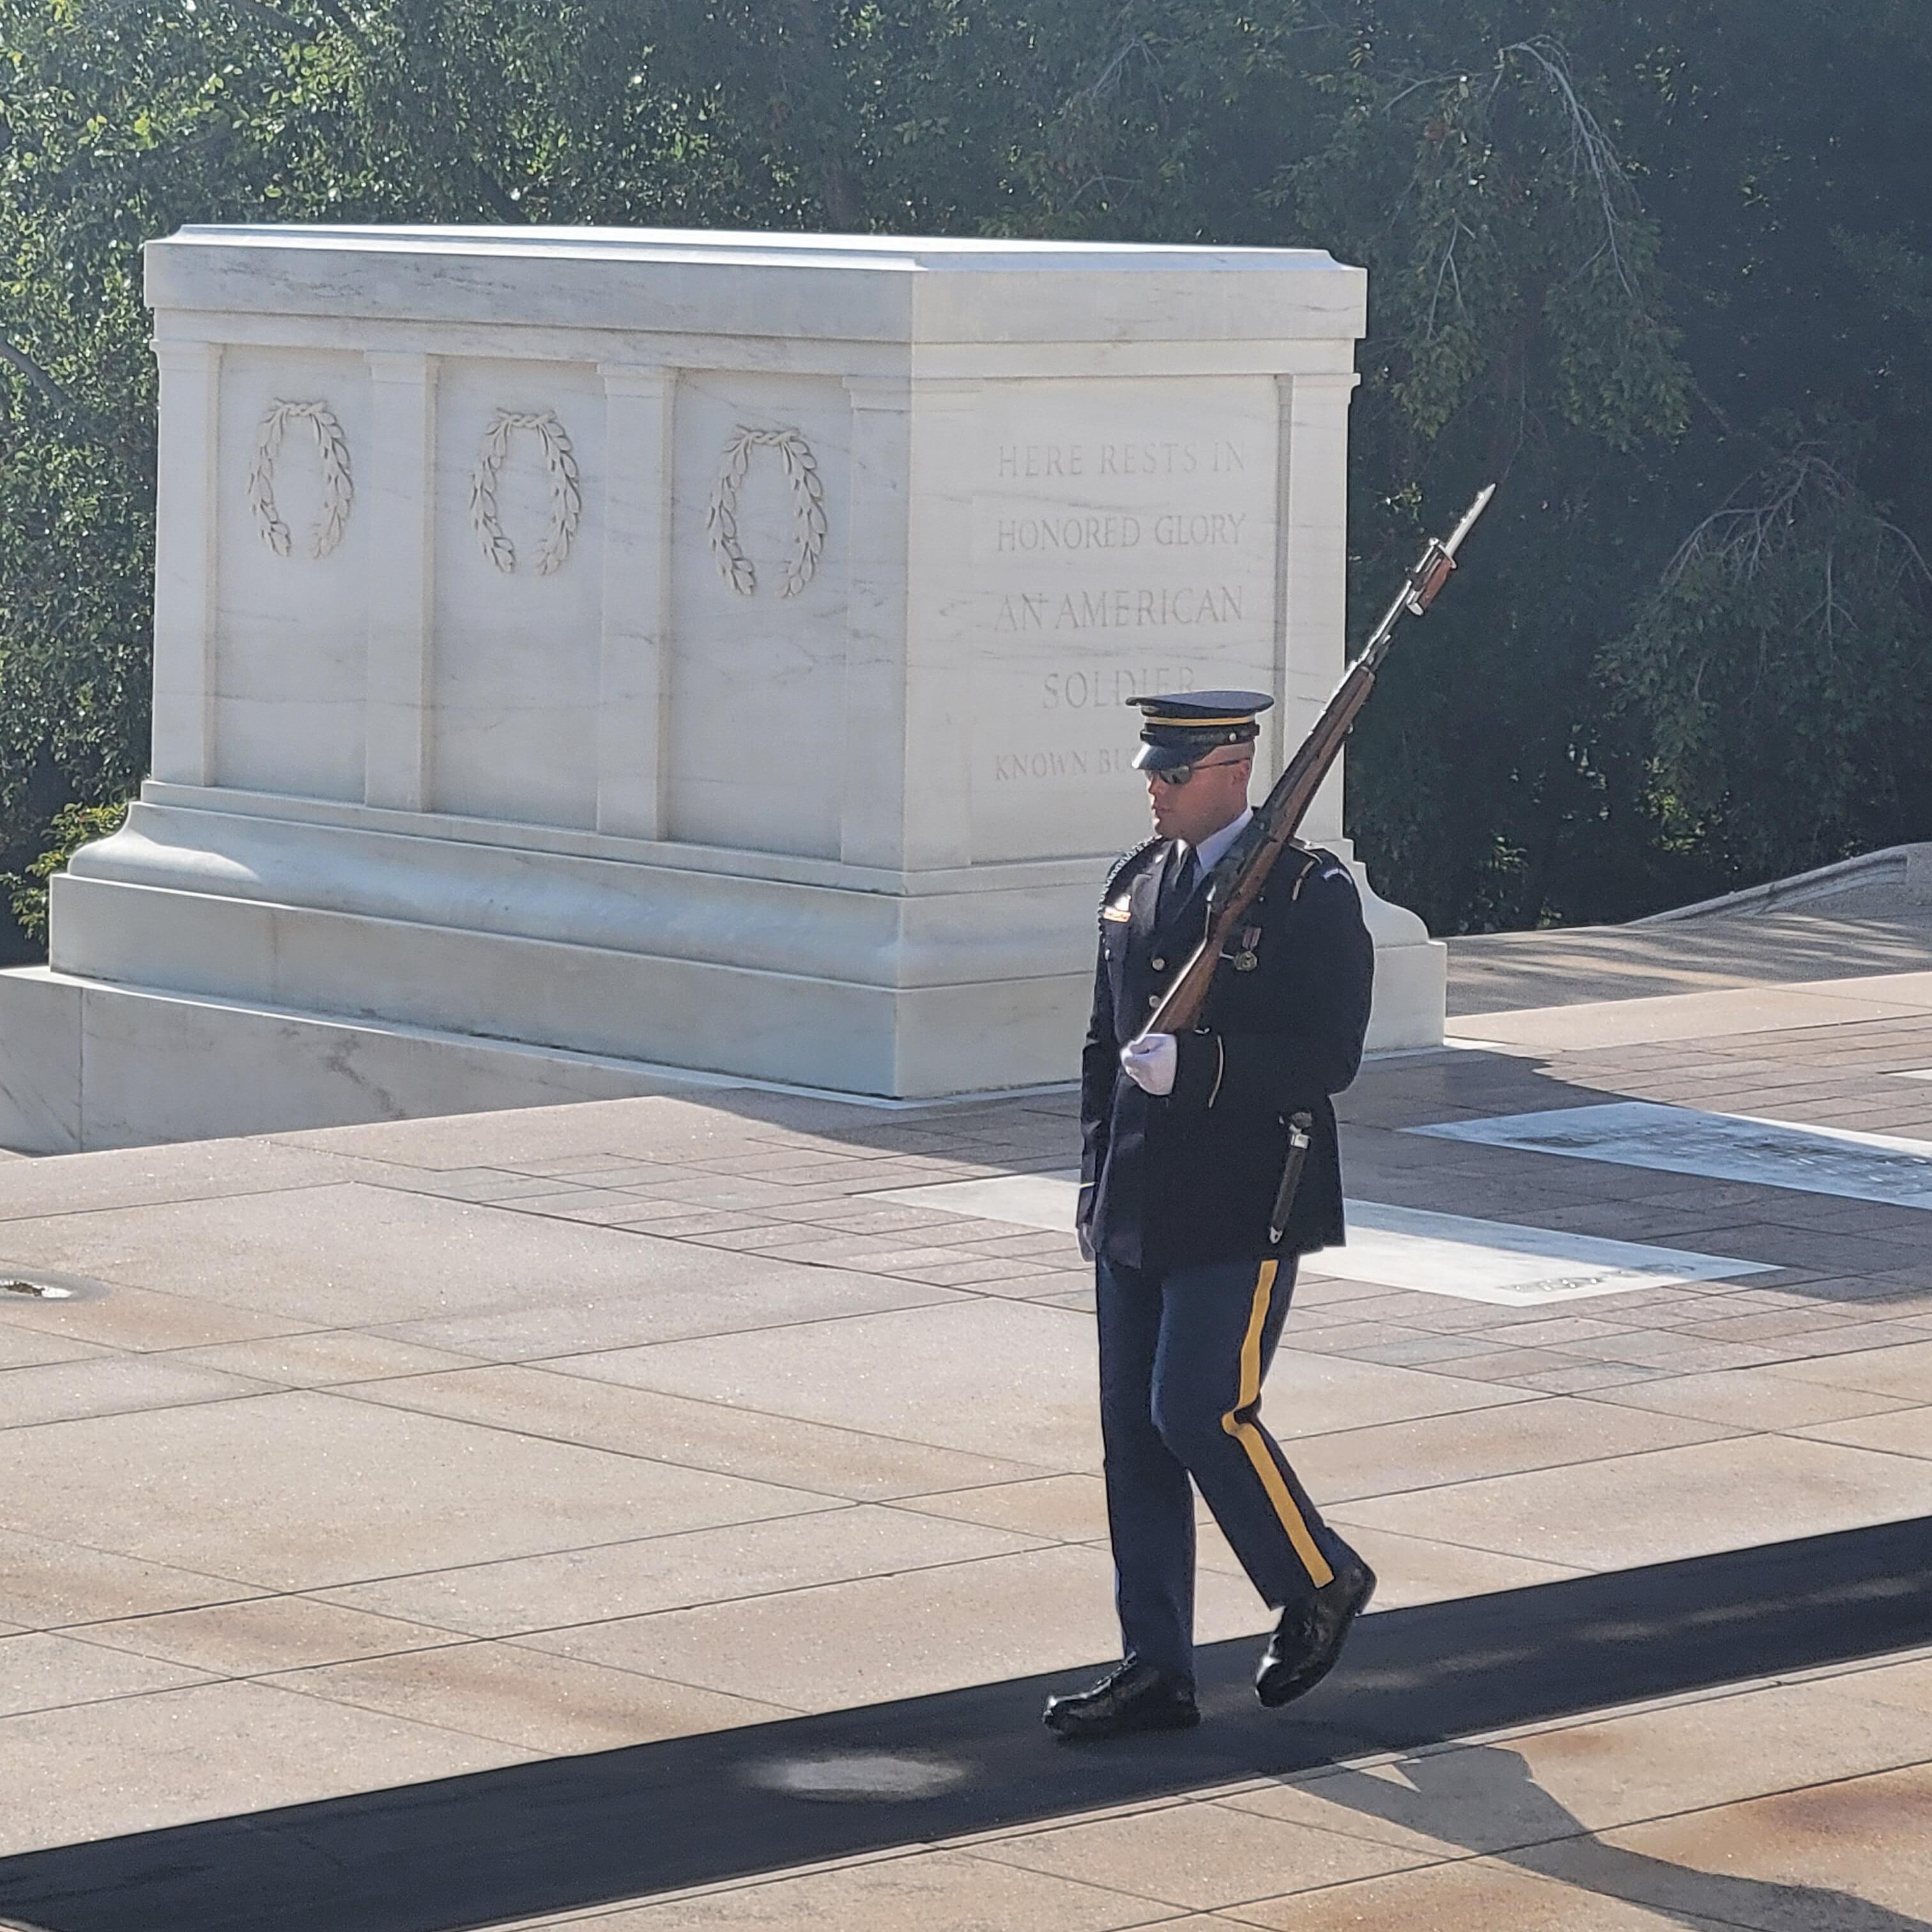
pixel 23 365
pixel 1761 522
pixel 1108 80
pixel 503 204
pixel 1396 99
pixel 120 440
pixel 1447 272
pixel 838 185
pixel 1593 155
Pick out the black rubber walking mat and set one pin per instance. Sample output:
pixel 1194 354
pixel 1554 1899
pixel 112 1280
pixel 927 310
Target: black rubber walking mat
pixel 579 1831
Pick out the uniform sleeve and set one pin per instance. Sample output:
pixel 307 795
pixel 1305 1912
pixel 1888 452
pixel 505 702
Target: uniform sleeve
pixel 1318 1049
pixel 1100 1069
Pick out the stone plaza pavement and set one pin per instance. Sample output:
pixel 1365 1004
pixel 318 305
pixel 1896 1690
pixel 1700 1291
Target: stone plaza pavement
pixel 362 1458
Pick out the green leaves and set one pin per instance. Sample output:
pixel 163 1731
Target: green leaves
pixel 1781 666
pixel 1647 263
pixel 74 827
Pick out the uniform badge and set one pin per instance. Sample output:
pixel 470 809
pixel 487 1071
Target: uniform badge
pixel 1120 910
pixel 1247 959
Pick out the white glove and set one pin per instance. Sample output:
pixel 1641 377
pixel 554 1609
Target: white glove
pixel 1151 1062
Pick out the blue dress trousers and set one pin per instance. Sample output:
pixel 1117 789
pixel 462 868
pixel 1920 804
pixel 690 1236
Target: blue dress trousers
pixel 1176 1193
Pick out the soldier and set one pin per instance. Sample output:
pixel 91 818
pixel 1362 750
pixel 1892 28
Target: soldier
pixel 1185 1144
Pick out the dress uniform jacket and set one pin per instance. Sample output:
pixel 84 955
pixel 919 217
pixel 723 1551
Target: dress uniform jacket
pixel 1191 1177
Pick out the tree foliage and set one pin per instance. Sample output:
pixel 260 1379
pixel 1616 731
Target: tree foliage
pixel 1665 269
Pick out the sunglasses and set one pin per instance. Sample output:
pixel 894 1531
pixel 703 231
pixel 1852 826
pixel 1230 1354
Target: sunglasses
pixel 1177 775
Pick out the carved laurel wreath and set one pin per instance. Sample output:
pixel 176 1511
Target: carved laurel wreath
pixel 338 486
pixel 807 493
pixel 566 490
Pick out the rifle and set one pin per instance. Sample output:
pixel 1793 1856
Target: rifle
pixel 1237 878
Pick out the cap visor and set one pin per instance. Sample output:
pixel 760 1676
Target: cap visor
pixel 1162 758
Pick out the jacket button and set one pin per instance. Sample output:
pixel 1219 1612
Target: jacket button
pixel 1159 964
pixel 1154 1000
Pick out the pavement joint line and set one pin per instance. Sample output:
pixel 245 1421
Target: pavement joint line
pixel 693 1241
pixel 277 1681
pixel 458 1640
pixel 856 1861
pixel 1465 1855
pixel 206 1676
pixel 1175 1907
pixel 812 1589
pixel 226 1193
pixel 327 1591
pixel 146 1407
pixel 546 1362
pixel 597 1448
pixel 257 1677
pixel 386 1331
pixel 1339 1514
pixel 324 1592
pixel 78 1629
pixel 254 1590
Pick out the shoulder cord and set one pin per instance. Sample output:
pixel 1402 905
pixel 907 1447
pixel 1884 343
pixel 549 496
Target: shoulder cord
pixel 1124 864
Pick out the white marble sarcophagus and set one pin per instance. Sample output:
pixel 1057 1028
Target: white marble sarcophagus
pixel 581 651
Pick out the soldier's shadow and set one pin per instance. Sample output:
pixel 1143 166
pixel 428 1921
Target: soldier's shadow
pixel 1485 1798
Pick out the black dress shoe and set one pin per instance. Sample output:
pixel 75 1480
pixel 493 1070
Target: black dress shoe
pixel 1309 1637
pixel 1131 1697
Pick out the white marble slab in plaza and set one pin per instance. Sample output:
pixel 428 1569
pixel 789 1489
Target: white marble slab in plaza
pixel 1500 1262
pixel 689 650
pixel 1884 1168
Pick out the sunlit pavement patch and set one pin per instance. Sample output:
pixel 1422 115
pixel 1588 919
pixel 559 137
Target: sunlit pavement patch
pixel 1500 1262
pixel 1021 1200
pixel 1881 1167
pixel 1503 1263
pixel 858 1777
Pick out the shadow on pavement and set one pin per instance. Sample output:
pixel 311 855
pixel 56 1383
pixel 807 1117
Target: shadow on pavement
pixel 576 1832
pixel 1463 1798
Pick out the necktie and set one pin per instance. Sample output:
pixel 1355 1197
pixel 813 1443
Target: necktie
pixel 1181 881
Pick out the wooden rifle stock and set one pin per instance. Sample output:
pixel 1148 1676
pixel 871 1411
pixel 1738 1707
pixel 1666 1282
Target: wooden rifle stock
pixel 1237 879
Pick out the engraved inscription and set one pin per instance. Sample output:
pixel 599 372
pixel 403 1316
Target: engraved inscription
pixel 1201 529
pixel 1049 534
pixel 1103 761
pixel 1205 530
pixel 1038 461
pixel 1112 684
pixel 1123 543
pixel 1120 610
pixel 1102 689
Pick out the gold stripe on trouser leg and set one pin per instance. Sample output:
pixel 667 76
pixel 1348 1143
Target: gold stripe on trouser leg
pixel 1250 1439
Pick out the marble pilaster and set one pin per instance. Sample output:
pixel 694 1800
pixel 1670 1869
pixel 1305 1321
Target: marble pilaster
pixel 1313 569
pixel 402 546
pixel 186 560
pixel 639 402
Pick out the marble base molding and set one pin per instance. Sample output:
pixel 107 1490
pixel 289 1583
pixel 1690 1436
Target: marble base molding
pixel 85 1067
pixel 297 936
